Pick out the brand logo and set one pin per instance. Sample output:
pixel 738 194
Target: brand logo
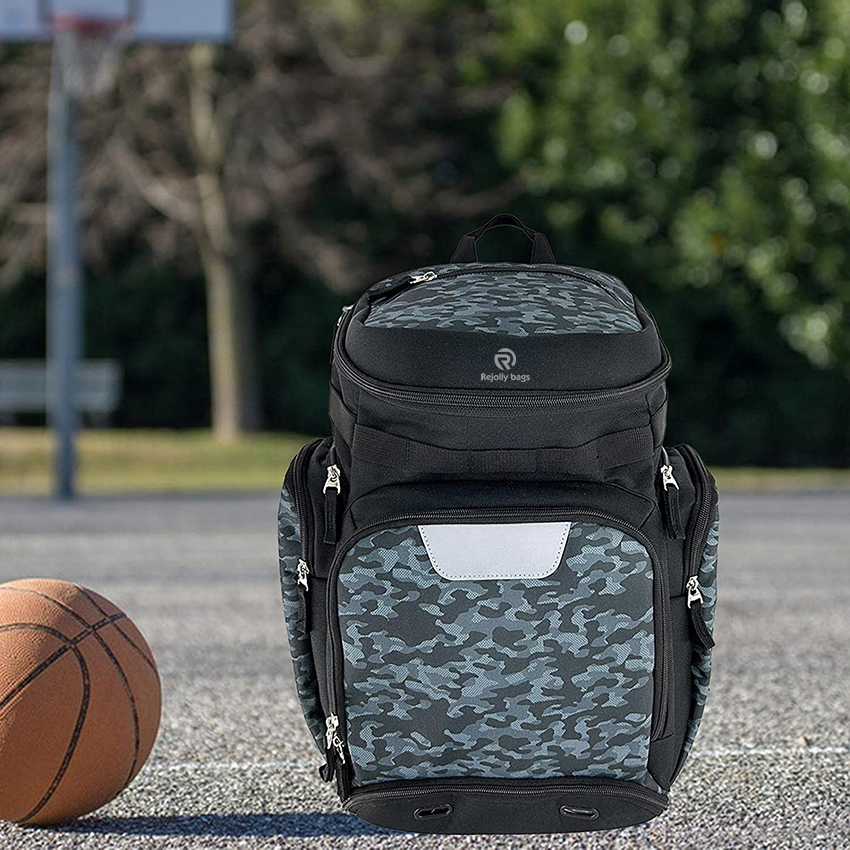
pixel 505 359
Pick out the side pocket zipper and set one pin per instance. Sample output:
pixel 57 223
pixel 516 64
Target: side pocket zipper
pixel 702 523
pixel 303 587
pixel 703 635
pixel 670 508
pixel 299 497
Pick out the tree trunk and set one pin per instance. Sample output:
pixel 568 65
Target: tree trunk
pixel 230 325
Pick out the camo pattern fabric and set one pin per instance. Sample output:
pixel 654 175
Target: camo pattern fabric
pixel 516 302
pixel 701 667
pixel 500 678
pixel 289 553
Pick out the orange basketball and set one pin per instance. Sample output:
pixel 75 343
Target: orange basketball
pixel 79 701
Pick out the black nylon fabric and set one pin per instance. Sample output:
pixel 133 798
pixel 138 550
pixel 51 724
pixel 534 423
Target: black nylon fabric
pixel 434 358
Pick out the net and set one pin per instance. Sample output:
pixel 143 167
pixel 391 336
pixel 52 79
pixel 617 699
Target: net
pixel 89 49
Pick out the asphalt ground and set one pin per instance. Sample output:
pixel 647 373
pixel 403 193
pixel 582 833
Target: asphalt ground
pixel 234 767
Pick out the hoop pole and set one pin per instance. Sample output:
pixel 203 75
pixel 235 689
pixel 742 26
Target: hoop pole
pixel 64 282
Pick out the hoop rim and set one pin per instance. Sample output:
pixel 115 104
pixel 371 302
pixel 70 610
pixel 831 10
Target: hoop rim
pixel 92 26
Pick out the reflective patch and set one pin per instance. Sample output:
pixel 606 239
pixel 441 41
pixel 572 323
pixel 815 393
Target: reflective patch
pixel 495 550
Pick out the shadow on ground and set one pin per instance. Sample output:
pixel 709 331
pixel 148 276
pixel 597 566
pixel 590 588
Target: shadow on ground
pixel 233 825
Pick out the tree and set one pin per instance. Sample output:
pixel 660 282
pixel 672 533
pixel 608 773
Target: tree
pixel 316 138
pixel 701 151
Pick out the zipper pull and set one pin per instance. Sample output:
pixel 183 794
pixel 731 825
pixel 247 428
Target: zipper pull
pixel 667 478
pixel 701 632
pixel 400 284
pixel 303 572
pixel 334 748
pixel 328 769
pixel 302 583
pixel 345 309
pixel 671 511
pixel 339 322
pixel 332 489
pixel 694 593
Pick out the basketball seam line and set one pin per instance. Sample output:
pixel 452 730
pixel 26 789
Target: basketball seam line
pixel 72 744
pixel 84 591
pixel 71 644
pixel 148 661
pixel 110 655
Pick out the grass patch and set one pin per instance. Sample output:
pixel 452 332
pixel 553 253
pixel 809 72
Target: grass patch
pixel 123 461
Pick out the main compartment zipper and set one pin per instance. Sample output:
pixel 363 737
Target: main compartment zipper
pixel 398 286
pixel 506 399
pixel 336 692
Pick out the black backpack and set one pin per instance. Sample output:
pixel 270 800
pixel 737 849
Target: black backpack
pixel 499 585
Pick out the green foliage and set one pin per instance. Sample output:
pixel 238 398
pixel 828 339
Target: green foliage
pixel 701 151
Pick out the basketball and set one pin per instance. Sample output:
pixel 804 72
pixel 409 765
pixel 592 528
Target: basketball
pixel 79 701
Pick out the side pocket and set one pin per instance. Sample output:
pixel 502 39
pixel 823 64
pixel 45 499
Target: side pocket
pixel 701 662
pixel 293 577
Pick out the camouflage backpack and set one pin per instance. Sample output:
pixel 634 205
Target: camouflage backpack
pixel 498 583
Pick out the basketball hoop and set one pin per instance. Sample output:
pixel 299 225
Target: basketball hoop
pixel 89 48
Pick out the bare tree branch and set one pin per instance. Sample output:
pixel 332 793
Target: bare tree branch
pixel 162 195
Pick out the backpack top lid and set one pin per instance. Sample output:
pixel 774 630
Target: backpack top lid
pixel 514 300
pixel 503 326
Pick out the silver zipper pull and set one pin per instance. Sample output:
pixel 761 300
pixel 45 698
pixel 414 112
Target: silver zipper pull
pixel 667 477
pixel 303 571
pixel 340 750
pixel 332 737
pixel 342 314
pixel 424 277
pixel 333 479
pixel 694 593
pixel 331 725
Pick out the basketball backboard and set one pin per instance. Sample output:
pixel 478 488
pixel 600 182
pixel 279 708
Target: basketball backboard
pixel 152 20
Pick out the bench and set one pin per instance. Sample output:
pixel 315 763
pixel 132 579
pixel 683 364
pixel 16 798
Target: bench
pixel 23 389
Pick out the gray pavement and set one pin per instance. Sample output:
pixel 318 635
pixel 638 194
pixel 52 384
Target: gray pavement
pixel 233 766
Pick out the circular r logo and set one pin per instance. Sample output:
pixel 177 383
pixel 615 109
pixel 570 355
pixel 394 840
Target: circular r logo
pixel 505 359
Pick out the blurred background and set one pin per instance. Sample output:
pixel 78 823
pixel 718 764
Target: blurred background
pixel 700 151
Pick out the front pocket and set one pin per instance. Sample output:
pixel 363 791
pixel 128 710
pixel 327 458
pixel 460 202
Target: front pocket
pixel 558 669
pixel 295 534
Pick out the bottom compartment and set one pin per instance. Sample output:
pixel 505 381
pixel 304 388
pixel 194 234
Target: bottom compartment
pixel 493 807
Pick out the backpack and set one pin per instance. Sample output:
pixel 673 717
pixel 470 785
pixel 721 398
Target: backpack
pixel 498 583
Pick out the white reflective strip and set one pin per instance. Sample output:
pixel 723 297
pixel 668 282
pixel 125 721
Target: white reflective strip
pixel 494 551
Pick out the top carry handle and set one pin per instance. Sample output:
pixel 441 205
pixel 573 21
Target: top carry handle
pixel 467 251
